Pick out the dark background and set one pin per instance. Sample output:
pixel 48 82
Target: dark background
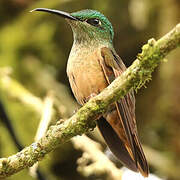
pixel 34 49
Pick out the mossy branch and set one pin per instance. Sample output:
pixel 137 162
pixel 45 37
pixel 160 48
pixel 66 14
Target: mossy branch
pixel 133 78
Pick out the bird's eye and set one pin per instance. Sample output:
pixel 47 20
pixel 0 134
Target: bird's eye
pixel 94 22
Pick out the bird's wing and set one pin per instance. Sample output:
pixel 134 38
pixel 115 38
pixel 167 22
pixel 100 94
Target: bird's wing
pixel 112 67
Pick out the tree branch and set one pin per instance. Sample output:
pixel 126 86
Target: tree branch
pixel 133 78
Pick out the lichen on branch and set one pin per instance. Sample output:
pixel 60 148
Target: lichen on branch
pixel 133 78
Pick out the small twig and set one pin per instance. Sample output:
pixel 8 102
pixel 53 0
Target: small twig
pixel 43 126
pixel 100 165
pixel 46 117
pixel 16 90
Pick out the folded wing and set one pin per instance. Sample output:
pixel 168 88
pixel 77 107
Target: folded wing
pixel 119 129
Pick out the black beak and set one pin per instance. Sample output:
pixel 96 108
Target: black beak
pixel 59 13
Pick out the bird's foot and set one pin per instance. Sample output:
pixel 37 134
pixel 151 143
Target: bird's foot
pixel 91 96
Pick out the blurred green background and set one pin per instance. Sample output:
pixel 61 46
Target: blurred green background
pixel 34 49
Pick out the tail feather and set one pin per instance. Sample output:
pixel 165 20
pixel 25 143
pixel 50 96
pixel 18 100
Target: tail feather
pixel 141 159
pixel 119 149
pixel 115 144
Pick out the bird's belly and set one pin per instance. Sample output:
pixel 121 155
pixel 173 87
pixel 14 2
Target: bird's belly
pixel 86 79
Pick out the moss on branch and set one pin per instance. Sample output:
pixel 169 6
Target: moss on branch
pixel 133 78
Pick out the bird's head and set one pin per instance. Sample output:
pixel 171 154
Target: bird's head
pixel 87 25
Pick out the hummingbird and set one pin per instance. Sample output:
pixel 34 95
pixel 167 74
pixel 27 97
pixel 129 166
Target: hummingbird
pixel 92 65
